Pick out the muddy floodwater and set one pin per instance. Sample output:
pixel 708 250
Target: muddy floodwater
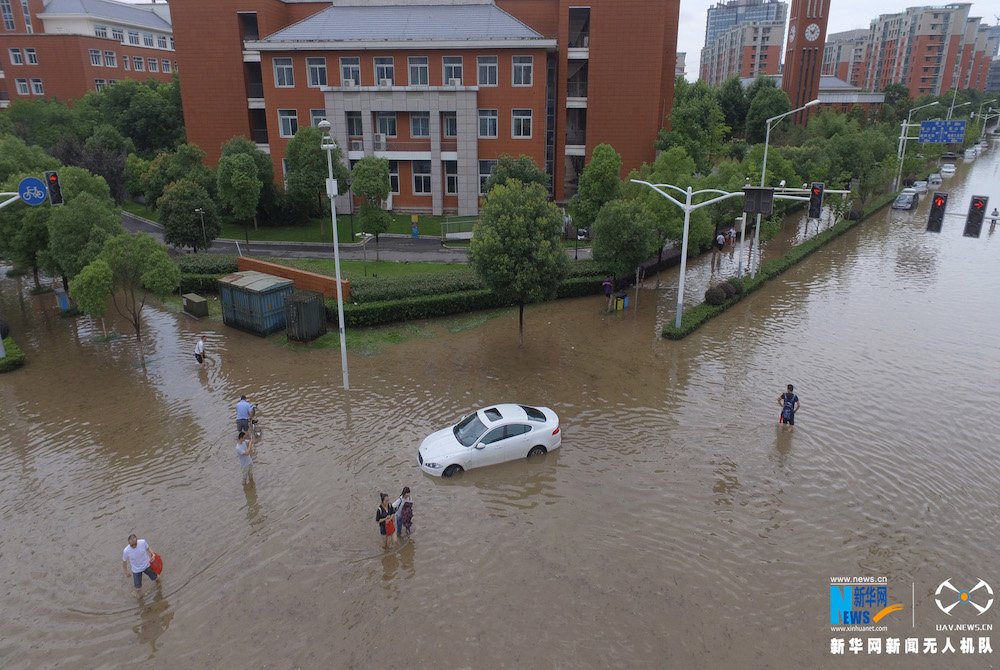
pixel 677 527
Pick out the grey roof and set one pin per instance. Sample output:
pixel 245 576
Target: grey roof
pixel 826 82
pixel 108 10
pixel 255 282
pixel 406 23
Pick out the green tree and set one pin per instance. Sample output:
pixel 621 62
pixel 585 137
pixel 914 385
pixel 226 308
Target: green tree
pixel 185 163
pixel 768 102
pixel 734 105
pixel 308 171
pixel 24 231
pixel 140 267
pixel 183 224
pixel 623 237
pixel 600 183
pixel 757 85
pixel 16 157
pixel 523 168
pixel 238 187
pixel 370 179
pixel 135 171
pixel 696 123
pixel 91 288
pixel 265 173
pixel 516 249
pixel 45 122
pixel 897 95
pixel 78 230
pixel 149 113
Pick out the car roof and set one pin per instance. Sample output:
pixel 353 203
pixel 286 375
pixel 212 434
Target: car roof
pixel 507 412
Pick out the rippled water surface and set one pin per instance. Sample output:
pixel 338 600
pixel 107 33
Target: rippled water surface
pixel 677 526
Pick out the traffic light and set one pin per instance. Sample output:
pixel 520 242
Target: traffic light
pixel 55 190
pixel 816 200
pixel 974 220
pixel 936 217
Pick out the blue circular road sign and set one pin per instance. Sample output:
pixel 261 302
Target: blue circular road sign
pixel 32 191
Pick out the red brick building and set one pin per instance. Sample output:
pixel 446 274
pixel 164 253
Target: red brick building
pixel 804 53
pixel 64 48
pixel 441 88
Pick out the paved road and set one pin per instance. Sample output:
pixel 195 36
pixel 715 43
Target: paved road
pixel 391 247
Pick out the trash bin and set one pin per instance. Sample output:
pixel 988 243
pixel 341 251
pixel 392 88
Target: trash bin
pixel 415 226
pixel 620 301
pixel 62 299
pixel 195 305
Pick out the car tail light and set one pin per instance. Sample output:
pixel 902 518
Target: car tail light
pixel 556 431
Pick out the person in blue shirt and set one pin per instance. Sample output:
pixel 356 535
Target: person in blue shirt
pixel 244 412
pixel 789 406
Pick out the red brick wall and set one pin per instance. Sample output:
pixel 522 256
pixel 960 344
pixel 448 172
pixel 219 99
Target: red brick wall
pixel 303 279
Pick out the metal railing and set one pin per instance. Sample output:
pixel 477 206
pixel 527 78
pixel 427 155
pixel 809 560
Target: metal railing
pixel 255 90
pixel 259 135
pixel 576 137
pixel 458 228
pixel 576 89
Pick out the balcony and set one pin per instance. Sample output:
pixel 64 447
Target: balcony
pixel 255 89
pixel 259 135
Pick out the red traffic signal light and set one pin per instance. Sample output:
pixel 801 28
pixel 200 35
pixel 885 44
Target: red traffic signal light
pixel 816 200
pixel 974 219
pixel 936 216
pixel 55 190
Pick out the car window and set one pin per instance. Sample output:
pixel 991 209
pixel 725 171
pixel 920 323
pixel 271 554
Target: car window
pixel 533 413
pixel 493 414
pixel 494 435
pixel 515 429
pixel 468 430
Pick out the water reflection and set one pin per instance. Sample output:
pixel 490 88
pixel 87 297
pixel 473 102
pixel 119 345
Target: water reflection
pixel 155 616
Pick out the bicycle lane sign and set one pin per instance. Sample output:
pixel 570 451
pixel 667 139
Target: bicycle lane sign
pixel 32 191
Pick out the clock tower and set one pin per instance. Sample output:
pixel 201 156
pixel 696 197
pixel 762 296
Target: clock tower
pixel 804 53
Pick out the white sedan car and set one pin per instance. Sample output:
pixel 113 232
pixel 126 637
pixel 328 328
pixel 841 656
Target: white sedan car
pixel 496 434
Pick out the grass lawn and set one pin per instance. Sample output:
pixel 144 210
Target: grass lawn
pixel 355 269
pixel 140 210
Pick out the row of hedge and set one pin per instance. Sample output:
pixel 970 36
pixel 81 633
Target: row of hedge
pixel 693 318
pixel 15 357
pixel 442 304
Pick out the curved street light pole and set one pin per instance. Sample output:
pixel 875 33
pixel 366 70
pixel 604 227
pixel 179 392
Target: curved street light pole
pixel 903 137
pixel 328 144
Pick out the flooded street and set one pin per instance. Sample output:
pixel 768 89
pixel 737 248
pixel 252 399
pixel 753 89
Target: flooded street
pixel 677 527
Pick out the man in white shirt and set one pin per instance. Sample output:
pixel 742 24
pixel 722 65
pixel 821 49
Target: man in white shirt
pixel 244 412
pixel 135 561
pixel 243 453
pixel 199 351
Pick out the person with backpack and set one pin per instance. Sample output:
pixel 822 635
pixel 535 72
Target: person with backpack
pixel 385 518
pixel 404 512
pixel 789 406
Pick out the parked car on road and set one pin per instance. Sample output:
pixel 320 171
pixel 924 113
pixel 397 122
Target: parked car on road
pixel 907 199
pixel 495 434
pixel 948 169
pixel 920 186
pixel 970 154
pixel 934 180
pixel 949 156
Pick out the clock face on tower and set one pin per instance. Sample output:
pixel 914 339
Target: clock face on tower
pixel 812 32
pixel 791 34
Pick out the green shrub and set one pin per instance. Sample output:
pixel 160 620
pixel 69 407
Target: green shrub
pixel 206 264
pixel 714 295
pixel 580 286
pixel 18 272
pixel 15 357
pixel 199 283
pixel 728 289
pixel 737 285
pixel 371 289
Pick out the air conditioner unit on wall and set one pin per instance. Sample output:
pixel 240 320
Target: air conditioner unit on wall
pixel 350 83
pixel 379 142
pixel 454 82
pixel 357 145
pixel 385 83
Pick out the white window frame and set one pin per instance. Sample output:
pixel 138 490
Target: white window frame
pixel 161 41
pixel 110 59
pixel 450 178
pixel 100 84
pixel 30 56
pixel 517 120
pixel 420 116
pixel 22 87
pixel 448 69
pixel 126 62
pixel 172 45
pixel 349 119
pixel 96 58
pixel 388 116
pixel 315 66
pixel 491 65
pixel 291 117
pixel 26 11
pixel 484 177
pixel 349 67
pixel 152 65
pixel 147 40
pixel 118 34
pixel 100 31
pixel 315 118
pixel 16 57
pixel 414 64
pixel 381 71
pixel 527 66
pixel 133 37
pixel 286 66
pixel 487 115
pixel 139 64
pixel 37 87
pixel 8 15
pixel 425 178
pixel 165 66
pixel 394 177
pixel 451 117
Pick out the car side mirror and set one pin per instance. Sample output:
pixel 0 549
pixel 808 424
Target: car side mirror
pixel 480 446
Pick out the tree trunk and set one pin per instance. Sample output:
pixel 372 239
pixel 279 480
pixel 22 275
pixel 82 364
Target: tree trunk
pixel 38 284
pixel 376 248
pixel 104 328
pixel 65 283
pixel 520 324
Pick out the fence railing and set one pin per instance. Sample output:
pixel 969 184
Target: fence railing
pixel 458 228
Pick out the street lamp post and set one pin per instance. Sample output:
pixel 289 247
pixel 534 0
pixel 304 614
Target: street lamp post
pixel 204 235
pixel 903 137
pixel 328 144
pixel 954 107
pixel 763 167
pixel 979 114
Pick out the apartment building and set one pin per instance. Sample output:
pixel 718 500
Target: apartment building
pixel 993 78
pixel 844 56
pixel 930 50
pixel 440 88
pixel 680 66
pixel 746 50
pixel 63 48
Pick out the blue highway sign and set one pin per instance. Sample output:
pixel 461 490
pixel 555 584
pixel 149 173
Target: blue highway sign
pixel 32 191
pixel 942 132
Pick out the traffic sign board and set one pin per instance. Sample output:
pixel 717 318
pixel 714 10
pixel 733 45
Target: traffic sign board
pixel 32 191
pixel 942 132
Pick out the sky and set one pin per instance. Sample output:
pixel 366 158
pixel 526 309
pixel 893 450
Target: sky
pixel 844 15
